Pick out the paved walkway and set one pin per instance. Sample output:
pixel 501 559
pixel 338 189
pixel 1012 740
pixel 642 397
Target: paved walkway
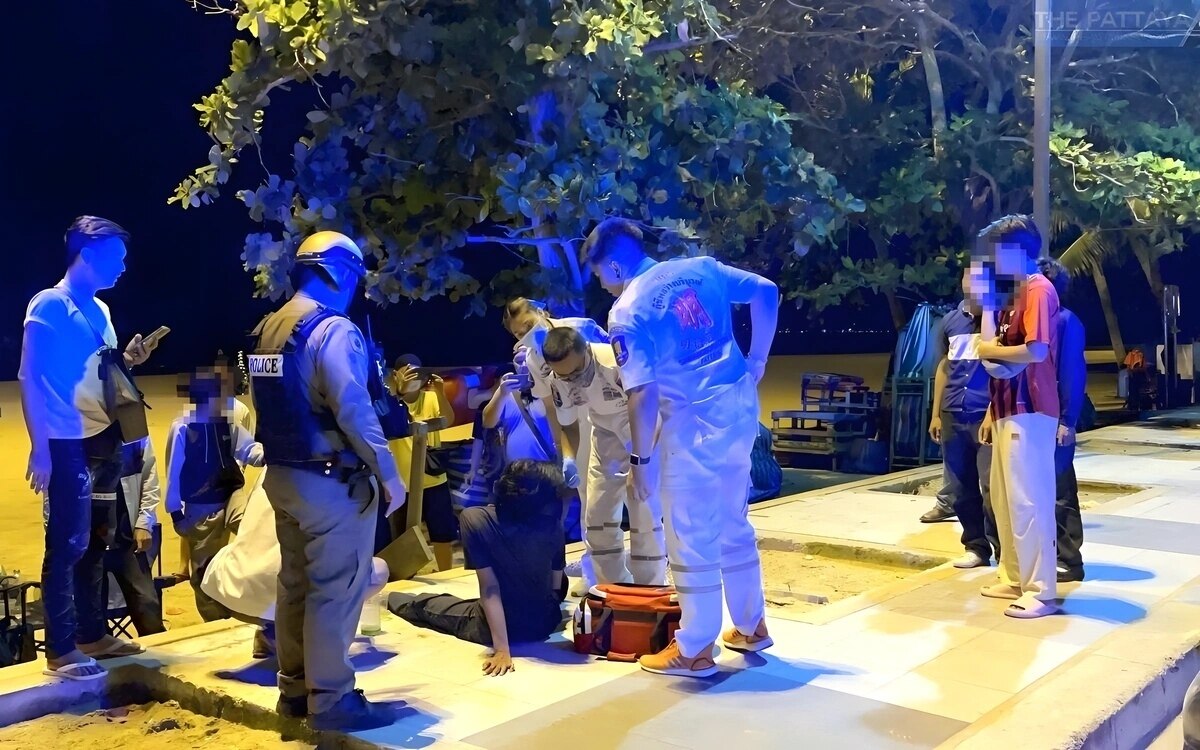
pixel 922 663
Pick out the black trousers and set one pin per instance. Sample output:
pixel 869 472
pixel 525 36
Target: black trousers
pixel 462 618
pixel 80 511
pixel 1066 510
pixel 967 467
pixel 131 569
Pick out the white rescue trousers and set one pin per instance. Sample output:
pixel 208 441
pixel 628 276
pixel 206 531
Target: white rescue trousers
pixel 608 496
pixel 705 490
pixel 1023 491
pixel 585 452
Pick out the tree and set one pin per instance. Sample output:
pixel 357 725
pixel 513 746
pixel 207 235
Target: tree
pixel 509 122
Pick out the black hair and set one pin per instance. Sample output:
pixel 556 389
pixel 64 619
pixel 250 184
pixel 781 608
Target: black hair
pixel 562 341
pixel 1014 229
pixel 608 236
pixel 87 229
pixel 530 492
pixel 1057 273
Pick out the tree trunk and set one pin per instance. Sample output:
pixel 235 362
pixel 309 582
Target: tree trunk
pixel 1110 314
pixel 1149 263
pixel 899 319
pixel 933 80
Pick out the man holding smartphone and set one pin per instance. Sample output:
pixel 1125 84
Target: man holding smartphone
pixel 69 346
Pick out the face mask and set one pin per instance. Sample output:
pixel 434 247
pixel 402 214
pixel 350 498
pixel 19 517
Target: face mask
pixel 585 375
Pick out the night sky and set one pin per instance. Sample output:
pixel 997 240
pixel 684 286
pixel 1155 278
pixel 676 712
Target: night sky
pixel 98 119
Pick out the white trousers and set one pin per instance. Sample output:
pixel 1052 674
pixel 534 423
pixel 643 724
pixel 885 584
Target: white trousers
pixel 607 497
pixel 1023 500
pixel 585 452
pixel 705 488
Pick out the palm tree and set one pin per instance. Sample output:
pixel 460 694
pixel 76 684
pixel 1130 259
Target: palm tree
pixel 1086 255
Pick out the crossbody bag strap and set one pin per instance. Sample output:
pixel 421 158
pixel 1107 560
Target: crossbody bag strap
pixel 532 425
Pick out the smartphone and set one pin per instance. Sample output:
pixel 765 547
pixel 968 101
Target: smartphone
pixel 155 337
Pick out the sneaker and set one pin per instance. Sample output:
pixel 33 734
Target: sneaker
pixel 736 640
pixel 1070 575
pixel 970 560
pixel 574 569
pixel 354 713
pixel 292 707
pixel 938 514
pixel 671 661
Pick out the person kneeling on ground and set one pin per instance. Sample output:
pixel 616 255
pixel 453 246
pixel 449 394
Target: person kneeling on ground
pixel 516 548
pixel 243 576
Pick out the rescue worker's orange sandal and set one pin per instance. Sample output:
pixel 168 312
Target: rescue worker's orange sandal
pixel 737 641
pixel 671 661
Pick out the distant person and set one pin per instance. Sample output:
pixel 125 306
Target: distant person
pixel 205 454
pixel 128 557
pixel 310 377
pixel 69 367
pixel 960 402
pixel 1020 346
pixel 516 549
pixel 672 331
pixel 1072 393
pixel 426 399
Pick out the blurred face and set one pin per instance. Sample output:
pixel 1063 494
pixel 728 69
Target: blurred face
pixel 576 368
pixel 1010 260
pixel 979 285
pixel 610 276
pixel 105 259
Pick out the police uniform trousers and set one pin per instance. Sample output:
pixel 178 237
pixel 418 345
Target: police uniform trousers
pixel 705 489
pixel 607 497
pixel 326 530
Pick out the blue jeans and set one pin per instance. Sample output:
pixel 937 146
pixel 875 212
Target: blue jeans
pixel 967 469
pixel 80 512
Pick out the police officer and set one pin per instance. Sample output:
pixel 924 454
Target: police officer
pixel 322 441
pixel 672 333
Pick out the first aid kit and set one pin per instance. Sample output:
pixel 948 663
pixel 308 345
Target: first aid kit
pixel 622 621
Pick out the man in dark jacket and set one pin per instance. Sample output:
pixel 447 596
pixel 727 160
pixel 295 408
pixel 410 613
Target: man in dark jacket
pixel 1072 386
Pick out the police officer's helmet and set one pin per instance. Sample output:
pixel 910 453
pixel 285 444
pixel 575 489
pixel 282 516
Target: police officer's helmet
pixel 327 250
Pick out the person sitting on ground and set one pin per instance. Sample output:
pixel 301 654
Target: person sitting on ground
pixel 243 576
pixel 205 454
pixel 127 560
pixel 425 396
pixel 516 549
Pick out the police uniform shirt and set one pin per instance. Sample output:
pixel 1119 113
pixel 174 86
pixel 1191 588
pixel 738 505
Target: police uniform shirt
pixel 333 367
pixel 673 326
pixel 604 398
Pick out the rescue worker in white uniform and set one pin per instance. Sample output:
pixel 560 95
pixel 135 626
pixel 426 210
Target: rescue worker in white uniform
pixel 528 322
pixel 322 442
pixel 585 379
pixel 672 333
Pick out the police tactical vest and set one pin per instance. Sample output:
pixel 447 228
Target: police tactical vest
pixel 288 423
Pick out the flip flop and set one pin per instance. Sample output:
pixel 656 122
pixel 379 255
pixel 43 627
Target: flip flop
pixel 1031 610
pixel 71 671
pixel 117 649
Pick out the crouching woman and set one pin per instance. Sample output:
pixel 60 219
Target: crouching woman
pixel 516 549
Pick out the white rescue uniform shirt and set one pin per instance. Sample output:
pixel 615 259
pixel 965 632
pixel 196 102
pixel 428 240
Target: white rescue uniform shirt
pixel 604 399
pixel 539 370
pixel 673 325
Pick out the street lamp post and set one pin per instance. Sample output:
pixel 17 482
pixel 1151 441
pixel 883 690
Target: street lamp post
pixel 1041 120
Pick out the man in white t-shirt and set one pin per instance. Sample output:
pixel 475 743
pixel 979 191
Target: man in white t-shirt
pixel 672 332
pixel 69 342
pixel 585 379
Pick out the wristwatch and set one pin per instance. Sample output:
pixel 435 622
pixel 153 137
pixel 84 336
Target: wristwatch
pixel 636 460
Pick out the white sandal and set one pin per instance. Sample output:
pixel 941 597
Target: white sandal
pixel 71 671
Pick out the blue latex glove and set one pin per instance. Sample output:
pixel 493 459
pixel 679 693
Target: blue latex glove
pixel 570 472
